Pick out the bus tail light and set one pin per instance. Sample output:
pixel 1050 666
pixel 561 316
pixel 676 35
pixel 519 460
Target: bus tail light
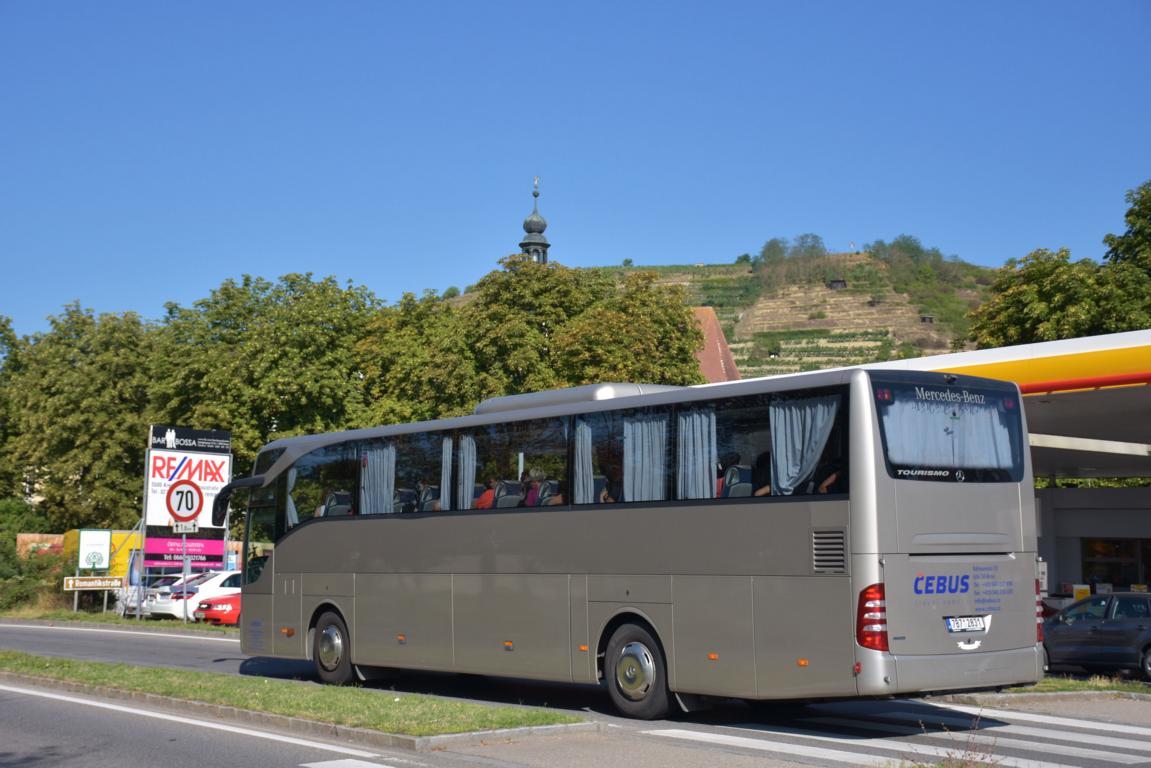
pixel 884 394
pixel 871 619
pixel 1038 614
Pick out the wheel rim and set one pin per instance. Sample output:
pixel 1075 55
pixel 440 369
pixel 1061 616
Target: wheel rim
pixel 635 671
pixel 330 647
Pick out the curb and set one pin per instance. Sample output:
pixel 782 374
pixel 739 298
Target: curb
pixel 984 699
pixel 300 726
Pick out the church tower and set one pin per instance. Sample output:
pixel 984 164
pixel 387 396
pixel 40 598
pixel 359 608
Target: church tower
pixel 534 243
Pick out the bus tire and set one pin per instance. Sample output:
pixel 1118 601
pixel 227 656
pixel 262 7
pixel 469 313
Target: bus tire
pixel 636 674
pixel 332 650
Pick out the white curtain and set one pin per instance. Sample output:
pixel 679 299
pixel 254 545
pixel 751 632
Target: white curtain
pixel 378 482
pixel 446 475
pixel 293 515
pixel 644 457
pixel 947 435
pixel 697 454
pixel 799 432
pixel 467 474
pixel 584 483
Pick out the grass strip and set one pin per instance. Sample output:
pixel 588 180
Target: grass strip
pixel 112 618
pixel 1067 684
pixel 387 711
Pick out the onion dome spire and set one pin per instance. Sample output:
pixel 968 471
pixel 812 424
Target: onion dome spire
pixel 534 243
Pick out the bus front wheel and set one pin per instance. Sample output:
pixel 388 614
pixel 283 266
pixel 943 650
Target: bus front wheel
pixel 636 674
pixel 331 649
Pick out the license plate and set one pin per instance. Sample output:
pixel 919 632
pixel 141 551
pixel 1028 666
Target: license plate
pixel 965 624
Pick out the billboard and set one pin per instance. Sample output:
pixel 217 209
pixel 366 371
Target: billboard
pixel 184 471
pixel 184 476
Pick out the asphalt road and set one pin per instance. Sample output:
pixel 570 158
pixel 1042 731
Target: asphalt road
pixel 38 731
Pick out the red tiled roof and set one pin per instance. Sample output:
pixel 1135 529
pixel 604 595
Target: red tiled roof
pixel 715 360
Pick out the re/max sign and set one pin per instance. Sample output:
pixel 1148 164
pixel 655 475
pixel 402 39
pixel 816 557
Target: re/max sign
pixel 172 468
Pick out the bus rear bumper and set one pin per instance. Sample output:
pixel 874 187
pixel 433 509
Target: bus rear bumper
pixel 886 674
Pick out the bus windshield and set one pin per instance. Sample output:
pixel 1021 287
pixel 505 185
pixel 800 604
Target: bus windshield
pixel 955 433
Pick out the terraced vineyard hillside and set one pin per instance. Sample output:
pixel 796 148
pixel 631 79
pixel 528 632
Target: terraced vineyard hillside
pixel 808 325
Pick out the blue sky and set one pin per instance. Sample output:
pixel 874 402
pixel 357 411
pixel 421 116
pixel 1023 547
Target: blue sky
pixel 150 150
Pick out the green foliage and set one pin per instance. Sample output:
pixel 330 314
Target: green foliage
pixel 79 415
pixel 643 333
pixel 517 311
pixel 263 360
pixel 1133 247
pixel 932 281
pixel 22 580
pixel 452 292
pixel 1046 296
pixel 417 364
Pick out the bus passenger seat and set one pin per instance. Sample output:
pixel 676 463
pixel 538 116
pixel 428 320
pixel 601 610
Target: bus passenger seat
pixel 548 490
pixel 509 493
pixel 737 481
pixel 430 498
pixel 405 500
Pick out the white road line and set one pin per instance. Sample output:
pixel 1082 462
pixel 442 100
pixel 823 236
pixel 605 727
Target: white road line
pixel 904 748
pixel 137 633
pixel 851 758
pixel 963 738
pixel 185 720
pixel 1078 737
pixel 1010 714
pixel 345 763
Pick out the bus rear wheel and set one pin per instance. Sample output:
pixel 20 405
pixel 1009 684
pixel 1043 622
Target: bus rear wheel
pixel 332 649
pixel 636 674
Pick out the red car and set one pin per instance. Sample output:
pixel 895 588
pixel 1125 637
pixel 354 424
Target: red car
pixel 219 610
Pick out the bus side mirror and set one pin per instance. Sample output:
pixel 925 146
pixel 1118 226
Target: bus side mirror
pixel 220 503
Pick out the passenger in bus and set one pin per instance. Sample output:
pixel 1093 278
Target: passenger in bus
pixel 832 476
pixel 488 497
pixel 323 502
pixel 761 474
pixel 535 478
pixel 611 469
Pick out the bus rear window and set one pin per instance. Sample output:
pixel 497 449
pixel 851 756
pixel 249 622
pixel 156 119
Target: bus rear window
pixel 950 433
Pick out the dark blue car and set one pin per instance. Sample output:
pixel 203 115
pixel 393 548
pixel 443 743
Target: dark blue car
pixel 1105 632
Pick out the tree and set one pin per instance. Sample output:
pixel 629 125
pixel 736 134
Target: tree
pixel 1046 297
pixel 8 345
pixel 1133 246
pixel 417 363
pixel 645 333
pixel 517 311
pixel 808 245
pixel 263 360
pixel 79 402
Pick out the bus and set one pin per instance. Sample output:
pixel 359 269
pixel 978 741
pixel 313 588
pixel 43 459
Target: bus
pixel 845 533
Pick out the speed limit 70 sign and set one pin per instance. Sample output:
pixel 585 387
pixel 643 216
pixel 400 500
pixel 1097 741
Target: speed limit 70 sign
pixel 184 501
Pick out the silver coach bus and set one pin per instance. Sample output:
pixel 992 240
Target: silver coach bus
pixel 833 534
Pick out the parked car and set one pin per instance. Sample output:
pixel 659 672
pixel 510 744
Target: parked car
pixel 219 610
pixel 129 599
pixel 1106 632
pixel 182 600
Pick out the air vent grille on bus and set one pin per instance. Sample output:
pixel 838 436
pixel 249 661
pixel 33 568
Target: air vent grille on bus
pixel 829 551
